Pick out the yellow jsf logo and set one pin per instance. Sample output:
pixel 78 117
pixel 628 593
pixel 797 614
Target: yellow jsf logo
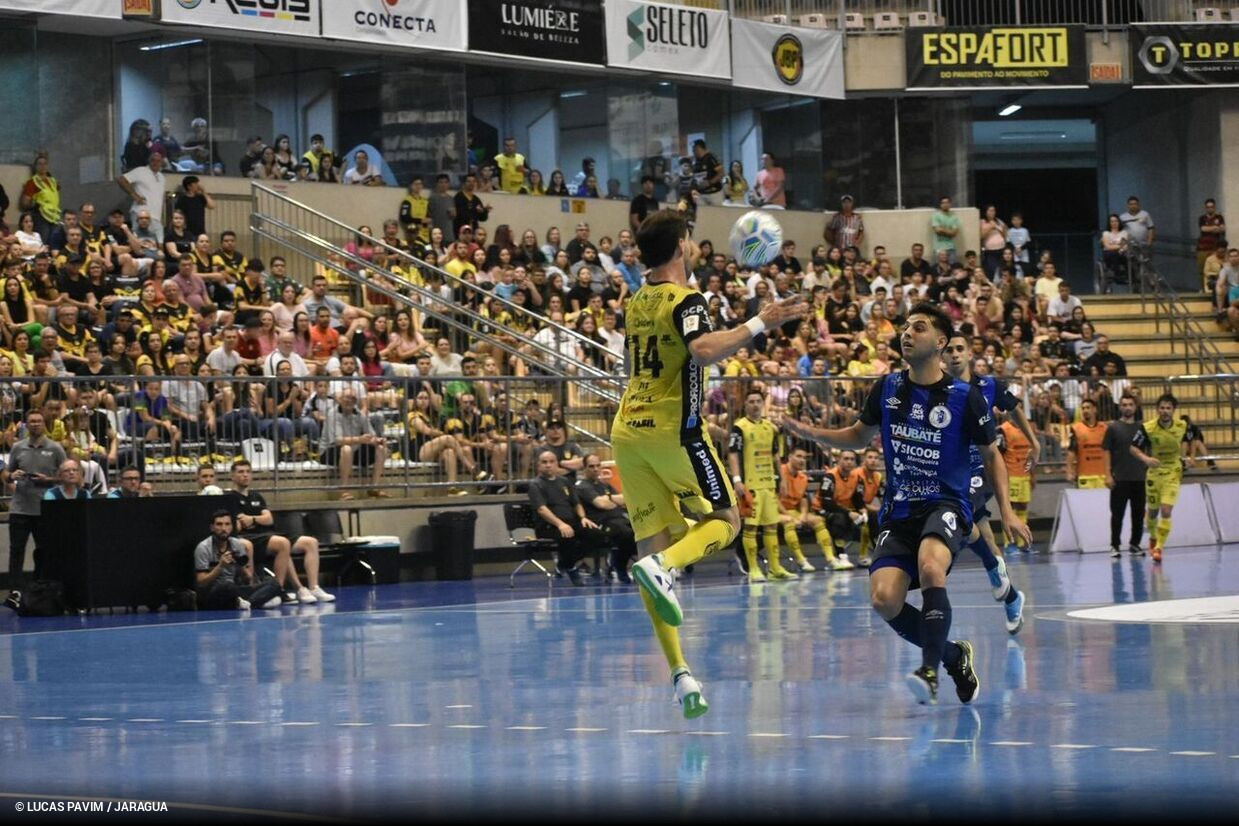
pixel 998 48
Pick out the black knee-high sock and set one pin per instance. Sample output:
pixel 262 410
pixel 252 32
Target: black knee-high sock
pixel 935 625
pixel 907 624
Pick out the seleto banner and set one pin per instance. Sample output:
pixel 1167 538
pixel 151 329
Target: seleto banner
pixel 427 24
pixel 569 30
pixel 996 57
pixel 1184 55
pixel 279 16
pixel 659 38
pixel 787 59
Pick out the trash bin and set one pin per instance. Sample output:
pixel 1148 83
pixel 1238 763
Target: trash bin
pixel 451 533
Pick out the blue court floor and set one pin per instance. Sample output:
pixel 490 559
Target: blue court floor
pixel 434 699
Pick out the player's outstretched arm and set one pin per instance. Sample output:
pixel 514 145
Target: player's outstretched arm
pixel 854 437
pixel 714 347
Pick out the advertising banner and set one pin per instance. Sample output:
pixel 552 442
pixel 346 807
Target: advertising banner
pixel 1184 55
pixel 660 38
pixel 79 8
pixel 425 24
pixel 567 30
pixel 787 59
pixel 996 57
pixel 258 16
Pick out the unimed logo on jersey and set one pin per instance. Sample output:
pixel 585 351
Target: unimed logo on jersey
pixel 667 29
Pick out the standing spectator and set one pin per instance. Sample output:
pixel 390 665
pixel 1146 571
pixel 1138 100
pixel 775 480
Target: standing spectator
pixel 846 228
pixel 769 186
pixel 138 146
pixel 707 174
pixel 993 240
pixel 146 186
pixel 363 171
pixel 349 439
pixel 1113 249
pixel 1227 291
pixel 415 215
pixel 41 195
pixel 643 204
pixel 945 226
pixel 1125 477
pixel 562 516
pixel 604 506
pixel 193 201
pixel 1019 238
pixel 224 573
pixel 512 169
pixel 1212 236
pixel 735 186
pixel 32 470
pixel 469 209
pixel 441 209
pixel 1139 225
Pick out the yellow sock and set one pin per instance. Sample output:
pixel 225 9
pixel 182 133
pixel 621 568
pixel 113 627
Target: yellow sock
pixel 668 637
pixel 702 539
pixel 865 539
pixel 1150 524
pixel 1163 531
pixel 824 539
pixel 749 540
pixel 770 541
pixel 793 542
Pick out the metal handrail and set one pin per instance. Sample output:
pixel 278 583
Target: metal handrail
pixel 1166 300
pixel 395 252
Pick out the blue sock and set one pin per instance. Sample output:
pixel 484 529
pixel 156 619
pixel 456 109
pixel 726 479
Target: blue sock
pixel 981 548
pixel 907 624
pixel 935 625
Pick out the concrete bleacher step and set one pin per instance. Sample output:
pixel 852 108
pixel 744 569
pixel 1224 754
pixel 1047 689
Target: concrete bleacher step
pixel 1157 345
pixel 1110 306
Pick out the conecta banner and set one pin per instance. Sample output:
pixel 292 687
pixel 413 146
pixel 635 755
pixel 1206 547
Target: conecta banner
pixel 426 24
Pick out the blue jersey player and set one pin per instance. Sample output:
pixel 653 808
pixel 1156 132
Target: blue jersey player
pixel 928 421
pixel 960 365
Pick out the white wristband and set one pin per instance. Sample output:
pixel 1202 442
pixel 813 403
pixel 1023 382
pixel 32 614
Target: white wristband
pixel 755 326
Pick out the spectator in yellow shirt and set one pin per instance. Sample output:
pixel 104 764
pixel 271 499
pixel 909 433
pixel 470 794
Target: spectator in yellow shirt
pixel 512 169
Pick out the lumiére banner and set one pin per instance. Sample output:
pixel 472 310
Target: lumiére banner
pixel 566 30
pixel 996 57
pixel 1184 55
pixel 788 59
pixel 660 38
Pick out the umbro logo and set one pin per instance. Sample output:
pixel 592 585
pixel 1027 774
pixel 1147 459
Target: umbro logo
pixel 892 403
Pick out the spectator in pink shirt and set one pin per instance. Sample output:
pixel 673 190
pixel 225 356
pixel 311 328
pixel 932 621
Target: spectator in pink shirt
pixel 769 186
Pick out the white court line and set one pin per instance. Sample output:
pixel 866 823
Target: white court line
pixel 949 740
pixel 300 723
pixel 465 725
pixel 195 721
pixel 354 725
pixel 1132 749
pixel 47 718
pixel 829 736
pixel 890 739
pixel 774 735
pixel 584 730
pixel 459 706
pixel 526 728
pixel 99 719
pixel 707 733
pixel 649 731
pixel 1011 743
pixel 1072 746
pixel 245 722
pixel 144 720
pixel 407 725
pixel 1193 753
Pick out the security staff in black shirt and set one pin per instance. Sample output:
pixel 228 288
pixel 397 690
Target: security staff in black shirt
pixel 562 516
pixel 604 505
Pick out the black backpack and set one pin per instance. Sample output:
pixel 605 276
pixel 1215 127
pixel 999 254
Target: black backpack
pixel 44 598
pixel 181 599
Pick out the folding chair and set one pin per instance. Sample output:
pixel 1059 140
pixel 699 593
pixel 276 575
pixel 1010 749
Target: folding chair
pixel 521 521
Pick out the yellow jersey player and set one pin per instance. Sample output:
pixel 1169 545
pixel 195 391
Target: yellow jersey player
pixel 1162 444
pixel 665 458
pixel 753 457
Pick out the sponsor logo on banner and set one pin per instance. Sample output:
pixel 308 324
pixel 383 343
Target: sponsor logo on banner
pixel 997 57
pixel 668 38
pixel 780 58
pixel 552 29
pixel 435 24
pixel 291 16
pixel 1177 55
pixel 788 57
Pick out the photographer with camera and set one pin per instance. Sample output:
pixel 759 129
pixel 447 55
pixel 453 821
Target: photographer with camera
pixel 224 574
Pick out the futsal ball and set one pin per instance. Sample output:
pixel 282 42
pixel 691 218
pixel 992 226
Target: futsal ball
pixel 756 239
pixel 211 490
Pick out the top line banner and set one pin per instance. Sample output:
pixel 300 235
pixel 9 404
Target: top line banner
pixel 660 38
pixel 996 57
pixel 298 17
pixel 1184 55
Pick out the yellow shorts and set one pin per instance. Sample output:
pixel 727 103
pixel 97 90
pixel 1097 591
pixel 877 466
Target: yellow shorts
pixel 1162 489
pixel 661 477
pixel 1020 489
pixel 765 509
pixel 1091 482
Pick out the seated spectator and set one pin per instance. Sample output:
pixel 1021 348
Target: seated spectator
pixel 70 482
pixel 224 572
pixel 339 312
pixel 1060 307
pixel 130 484
pixel 561 517
pixel 349 439
pixel 254 521
pixel 841 502
pixel 605 507
pixel 1102 357
pixel 285 405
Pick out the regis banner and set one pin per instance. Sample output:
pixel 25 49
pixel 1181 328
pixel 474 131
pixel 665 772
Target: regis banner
pixel 660 38
pixel 996 57
pixel 260 16
pixel 1184 55
pixel 426 24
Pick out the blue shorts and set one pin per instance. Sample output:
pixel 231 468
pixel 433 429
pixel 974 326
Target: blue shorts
pixel 898 541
